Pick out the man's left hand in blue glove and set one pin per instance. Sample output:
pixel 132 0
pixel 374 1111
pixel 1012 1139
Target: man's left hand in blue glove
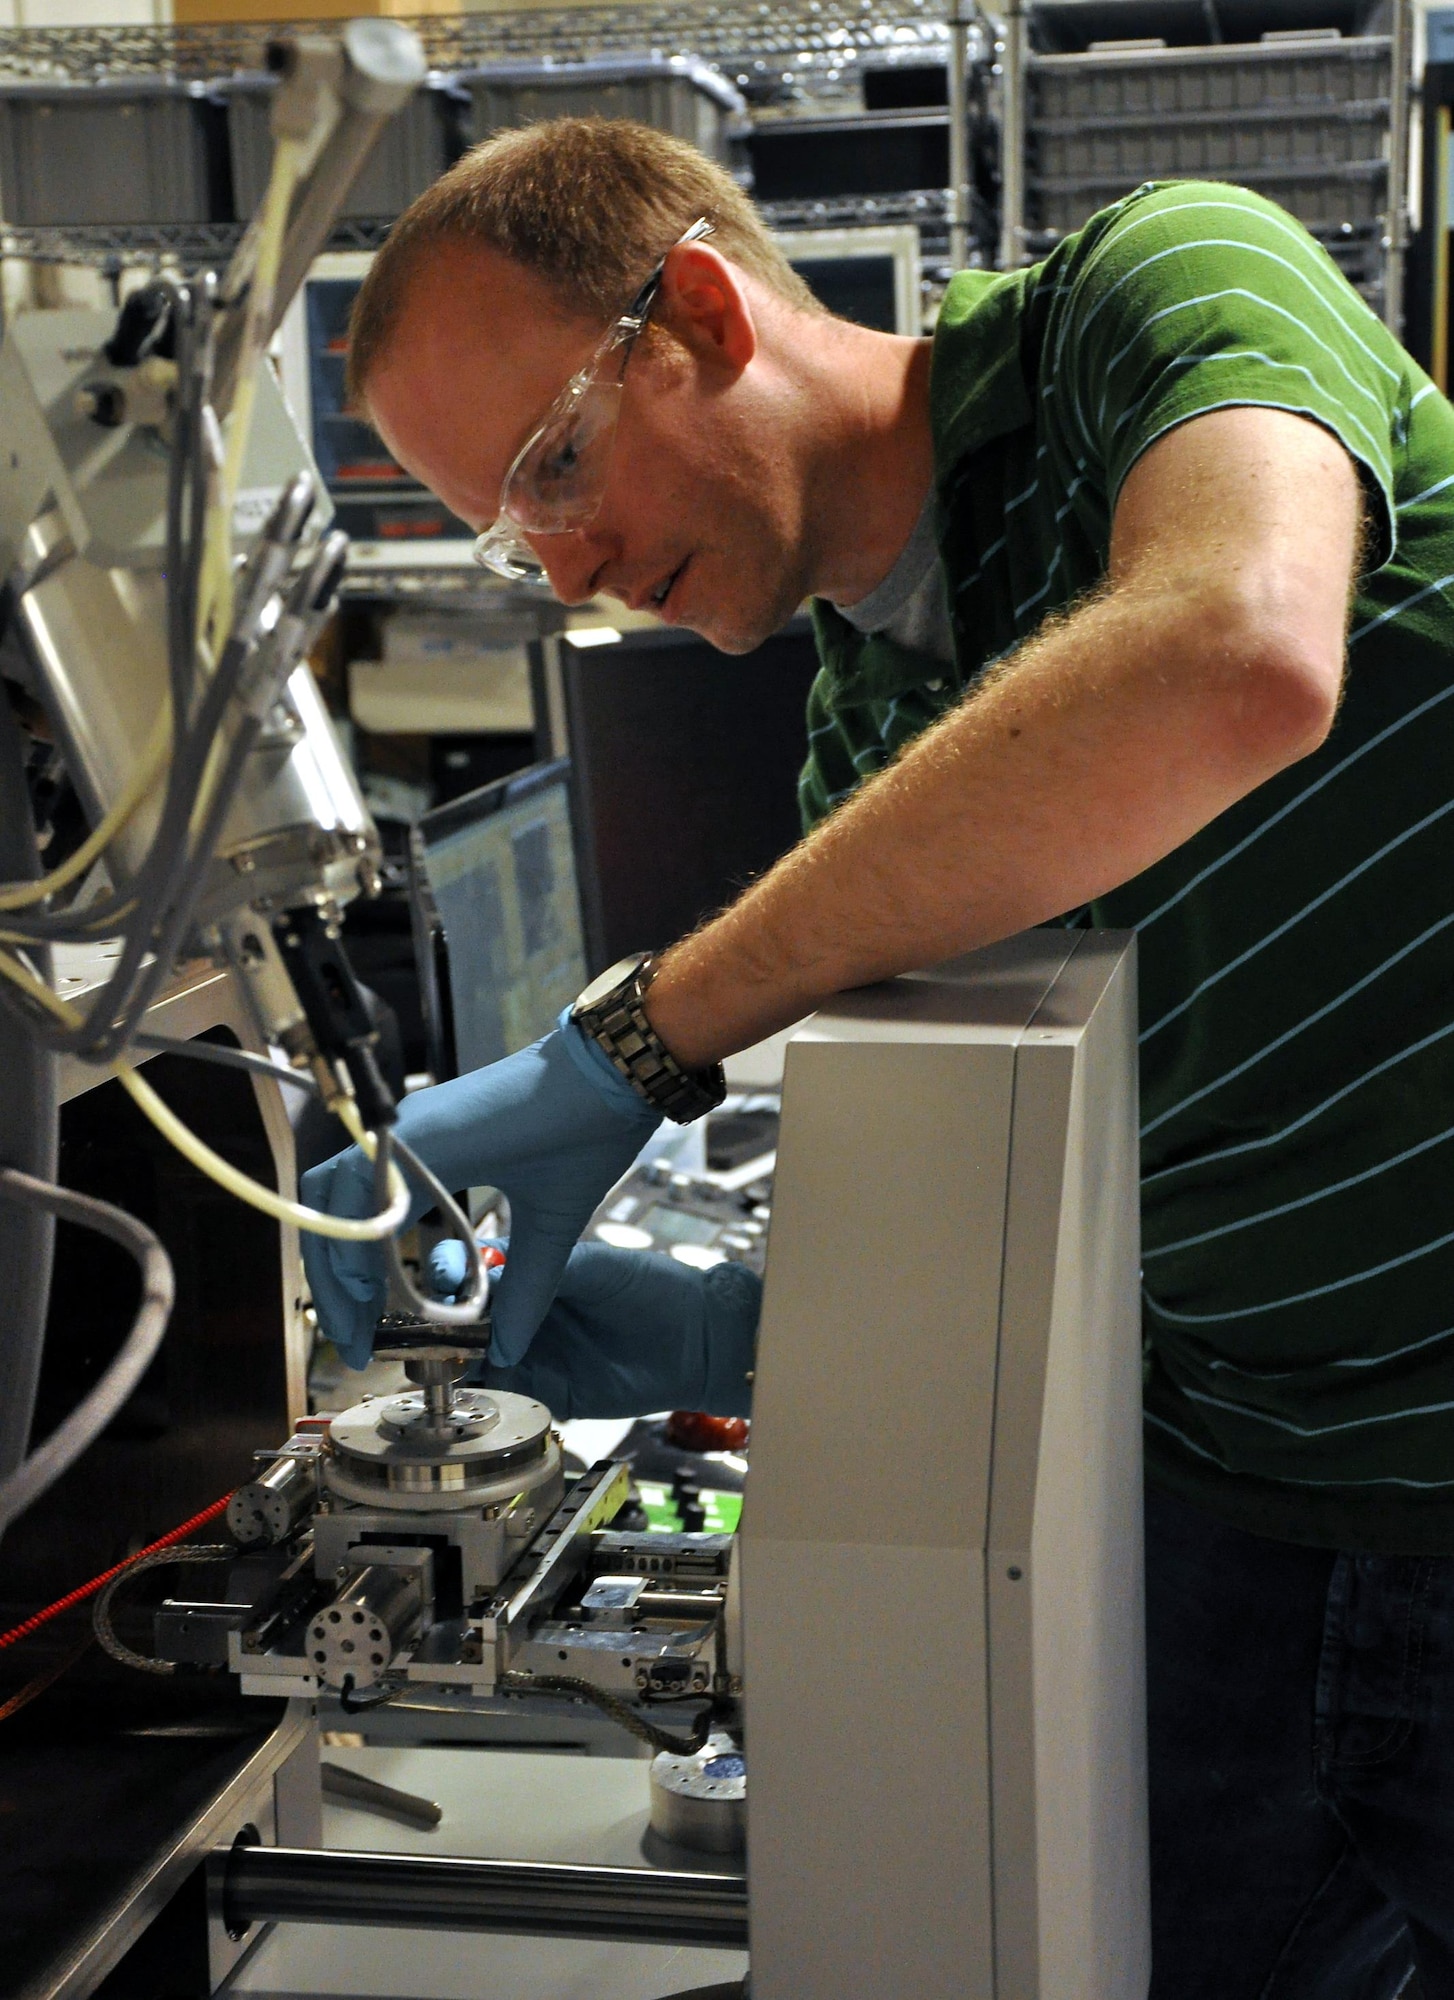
pixel 633 1331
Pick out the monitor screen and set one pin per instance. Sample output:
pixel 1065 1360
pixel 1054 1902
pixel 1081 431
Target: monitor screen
pixel 864 289
pixel 867 273
pixel 500 864
pixel 685 776
pixel 393 521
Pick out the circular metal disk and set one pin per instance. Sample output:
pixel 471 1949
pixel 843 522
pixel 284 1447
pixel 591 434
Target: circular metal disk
pixel 407 1490
pixel 384 1447
pixel 701 1801
pixel 405 1419
pixel 383 1432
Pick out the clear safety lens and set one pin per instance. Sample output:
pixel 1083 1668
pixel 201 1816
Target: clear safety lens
pixel 503 549
pixel 558 481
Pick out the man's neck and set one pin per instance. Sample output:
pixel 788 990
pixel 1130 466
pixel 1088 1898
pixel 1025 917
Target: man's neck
pixel 874 464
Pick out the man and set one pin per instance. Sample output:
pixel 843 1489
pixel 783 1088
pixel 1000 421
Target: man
pixel 1087 571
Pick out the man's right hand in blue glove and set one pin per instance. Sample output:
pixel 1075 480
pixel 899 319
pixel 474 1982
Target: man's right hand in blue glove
pixel 632 1331
pixel 553 1128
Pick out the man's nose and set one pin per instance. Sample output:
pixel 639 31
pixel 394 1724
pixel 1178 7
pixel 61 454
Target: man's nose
pixel 572 563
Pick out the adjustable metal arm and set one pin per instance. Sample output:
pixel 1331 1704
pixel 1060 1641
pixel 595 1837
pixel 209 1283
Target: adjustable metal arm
pixel 347 88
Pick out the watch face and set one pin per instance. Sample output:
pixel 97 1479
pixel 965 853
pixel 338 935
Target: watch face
pixel 606 982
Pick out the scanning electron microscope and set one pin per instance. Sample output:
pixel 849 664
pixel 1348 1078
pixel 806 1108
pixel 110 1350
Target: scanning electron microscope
pixel 914 1674
pixel 916 1669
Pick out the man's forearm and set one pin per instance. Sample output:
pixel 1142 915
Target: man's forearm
pixel 1102 745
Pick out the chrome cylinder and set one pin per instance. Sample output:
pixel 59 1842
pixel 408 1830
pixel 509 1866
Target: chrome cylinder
pixel 701 1800
pixel 356 1637
pixel 266 1510
pixel 298 827
pixel 523 1898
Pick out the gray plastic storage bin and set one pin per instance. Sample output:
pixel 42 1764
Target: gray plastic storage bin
pixel 138 149
pixel 1304 123
pixel 1320 197
pixel 1210 144
pixel 1236 78
pixel 413 149
pixel 672 94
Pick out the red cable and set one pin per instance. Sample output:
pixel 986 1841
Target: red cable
pixel 86 1590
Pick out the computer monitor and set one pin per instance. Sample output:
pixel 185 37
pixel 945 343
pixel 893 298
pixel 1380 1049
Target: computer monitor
pixel 394 522
pixel 869 274
pixel 495 886
pixel 685 770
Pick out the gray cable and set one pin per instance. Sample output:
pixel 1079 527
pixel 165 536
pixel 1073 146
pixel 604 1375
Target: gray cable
pixel 150 894
pixel 170 865
pixel 30 1124
pixel 181 648
pixel 193 880
pixel 237 657
pixel 155 885
pixel 94 1412
pixel 96 1043
pixel 105 1630
pixel 168 883
pixel 229 1058
pixel 618 1709
pixel 471 1301
pixel 149 891
pixel 136 909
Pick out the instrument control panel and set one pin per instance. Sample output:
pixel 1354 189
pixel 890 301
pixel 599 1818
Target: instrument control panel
pixel 703 1218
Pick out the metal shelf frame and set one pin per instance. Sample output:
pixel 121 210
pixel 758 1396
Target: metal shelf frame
pixel 1020 243
pixel 811 47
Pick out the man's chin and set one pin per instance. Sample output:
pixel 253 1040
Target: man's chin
pixel 738 628
pixel 736 643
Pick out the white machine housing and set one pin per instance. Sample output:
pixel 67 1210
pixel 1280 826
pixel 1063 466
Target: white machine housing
pixel 941 1553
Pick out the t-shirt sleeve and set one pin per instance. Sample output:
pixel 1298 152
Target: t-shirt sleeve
pixel 1200 296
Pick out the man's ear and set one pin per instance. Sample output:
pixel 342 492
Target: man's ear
pixel 704 303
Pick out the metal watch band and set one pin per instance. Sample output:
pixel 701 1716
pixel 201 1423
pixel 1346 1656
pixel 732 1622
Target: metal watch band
pixel 617 1023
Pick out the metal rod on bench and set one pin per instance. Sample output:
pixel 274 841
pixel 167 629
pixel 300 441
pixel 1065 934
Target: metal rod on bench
pixel 524 1898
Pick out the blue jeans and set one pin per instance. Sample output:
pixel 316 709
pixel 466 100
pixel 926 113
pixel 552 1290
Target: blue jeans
pixel 1301 1717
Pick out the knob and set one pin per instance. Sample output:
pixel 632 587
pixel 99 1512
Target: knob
pixel 103 402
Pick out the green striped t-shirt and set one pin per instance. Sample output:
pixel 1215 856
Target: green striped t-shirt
pixel 1297 956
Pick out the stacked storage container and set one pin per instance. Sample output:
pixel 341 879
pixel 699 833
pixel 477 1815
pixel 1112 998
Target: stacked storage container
pixel 671 93
pixel 119 150
pixel 413 149
pixel 156 149
pixel 1301 114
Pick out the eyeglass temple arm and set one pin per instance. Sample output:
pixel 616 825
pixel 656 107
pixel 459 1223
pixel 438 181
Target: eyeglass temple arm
pixel 635 315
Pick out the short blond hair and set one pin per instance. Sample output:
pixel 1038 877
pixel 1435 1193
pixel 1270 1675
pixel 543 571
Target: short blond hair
pixel 589 205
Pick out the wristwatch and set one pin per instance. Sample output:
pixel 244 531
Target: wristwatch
pixel 612 1012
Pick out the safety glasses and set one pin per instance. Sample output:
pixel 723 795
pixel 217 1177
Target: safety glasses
pixel 557 479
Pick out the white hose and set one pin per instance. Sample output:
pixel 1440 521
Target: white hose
pixel 344 1228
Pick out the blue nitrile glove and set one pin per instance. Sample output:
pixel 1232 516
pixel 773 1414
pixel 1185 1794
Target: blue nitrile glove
pixel 633 1331
pixel 552 1127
